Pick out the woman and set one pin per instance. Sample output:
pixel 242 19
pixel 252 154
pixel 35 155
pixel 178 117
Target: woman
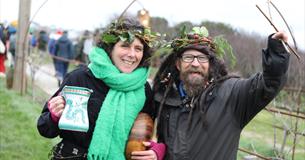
pixel 117 76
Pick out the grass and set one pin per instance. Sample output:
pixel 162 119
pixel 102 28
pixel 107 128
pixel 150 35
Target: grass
pixel 258 136
pixel 19 138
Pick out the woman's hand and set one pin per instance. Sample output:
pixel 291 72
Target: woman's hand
pixel 156 152
pixel 144 155
pixel 56 106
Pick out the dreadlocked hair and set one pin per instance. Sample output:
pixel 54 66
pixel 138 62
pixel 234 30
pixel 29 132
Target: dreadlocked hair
pixel 166 71
pixel 217 68
pixel 165 78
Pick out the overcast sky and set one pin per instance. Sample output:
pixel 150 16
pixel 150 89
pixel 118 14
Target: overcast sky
pixel 89 14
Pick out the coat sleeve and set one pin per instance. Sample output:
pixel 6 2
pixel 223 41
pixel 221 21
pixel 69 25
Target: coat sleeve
pixel 45 125
pixel 251 95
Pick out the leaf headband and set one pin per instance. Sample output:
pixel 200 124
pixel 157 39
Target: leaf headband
pixel 200 36
pixel 119 31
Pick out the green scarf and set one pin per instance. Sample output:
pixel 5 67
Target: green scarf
pixel 120 108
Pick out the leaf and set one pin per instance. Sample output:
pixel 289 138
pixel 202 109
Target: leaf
pixel 123 38
pixel 147 31
pixel 183 32
pixel 223 48
pixel 131 37
pixel 201 31
pixel 109 38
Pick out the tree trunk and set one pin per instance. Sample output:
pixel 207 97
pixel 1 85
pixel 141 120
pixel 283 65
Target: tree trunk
pixel 19 83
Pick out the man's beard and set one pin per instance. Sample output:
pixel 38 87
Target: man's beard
pixel 193 86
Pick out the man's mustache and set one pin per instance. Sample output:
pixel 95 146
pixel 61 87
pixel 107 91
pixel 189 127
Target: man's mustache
pixel 194 70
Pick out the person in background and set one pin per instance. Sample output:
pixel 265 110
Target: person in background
pixel 54 36
pixel 42 42
pixel 2 51
pixel 202 108
pixel 12 40
pixel 88 44
pixel 64 51
pixel 33 40
pixel 83 47
pixel 117 75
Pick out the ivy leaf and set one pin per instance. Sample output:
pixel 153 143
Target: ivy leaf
pixel 131 37
pixel 223 48
pixel 124 37
pixel 183 32
pixel 147 31
pixel 201 31
pixel 109 38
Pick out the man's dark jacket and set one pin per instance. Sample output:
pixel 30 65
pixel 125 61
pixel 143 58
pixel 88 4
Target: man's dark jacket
pixel 231 106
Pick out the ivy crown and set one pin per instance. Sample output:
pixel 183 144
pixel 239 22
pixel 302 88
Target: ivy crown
pixel 200 36
pixel 120 30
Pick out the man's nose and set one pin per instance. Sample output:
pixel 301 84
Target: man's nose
pixel 195 62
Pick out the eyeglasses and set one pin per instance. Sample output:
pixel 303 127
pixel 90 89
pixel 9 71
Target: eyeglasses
pixel 188 58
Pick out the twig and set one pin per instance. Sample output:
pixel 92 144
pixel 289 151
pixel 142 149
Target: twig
pixel 76 62
pixel 293 51
pixel 122 14
pixel 292 36
pixel 255 154
pixel 269 10
pixel 295 135
pixel 31 20
pixel 297 115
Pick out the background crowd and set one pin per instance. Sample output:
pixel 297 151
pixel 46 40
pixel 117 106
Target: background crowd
pixel 62 46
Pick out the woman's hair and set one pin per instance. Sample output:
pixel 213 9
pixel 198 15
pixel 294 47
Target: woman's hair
pixel 122 28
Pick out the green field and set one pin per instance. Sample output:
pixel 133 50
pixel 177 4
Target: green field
pixel 19 138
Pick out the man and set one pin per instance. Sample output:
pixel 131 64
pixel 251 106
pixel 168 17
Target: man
pixel 63 49
pixel 202 109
